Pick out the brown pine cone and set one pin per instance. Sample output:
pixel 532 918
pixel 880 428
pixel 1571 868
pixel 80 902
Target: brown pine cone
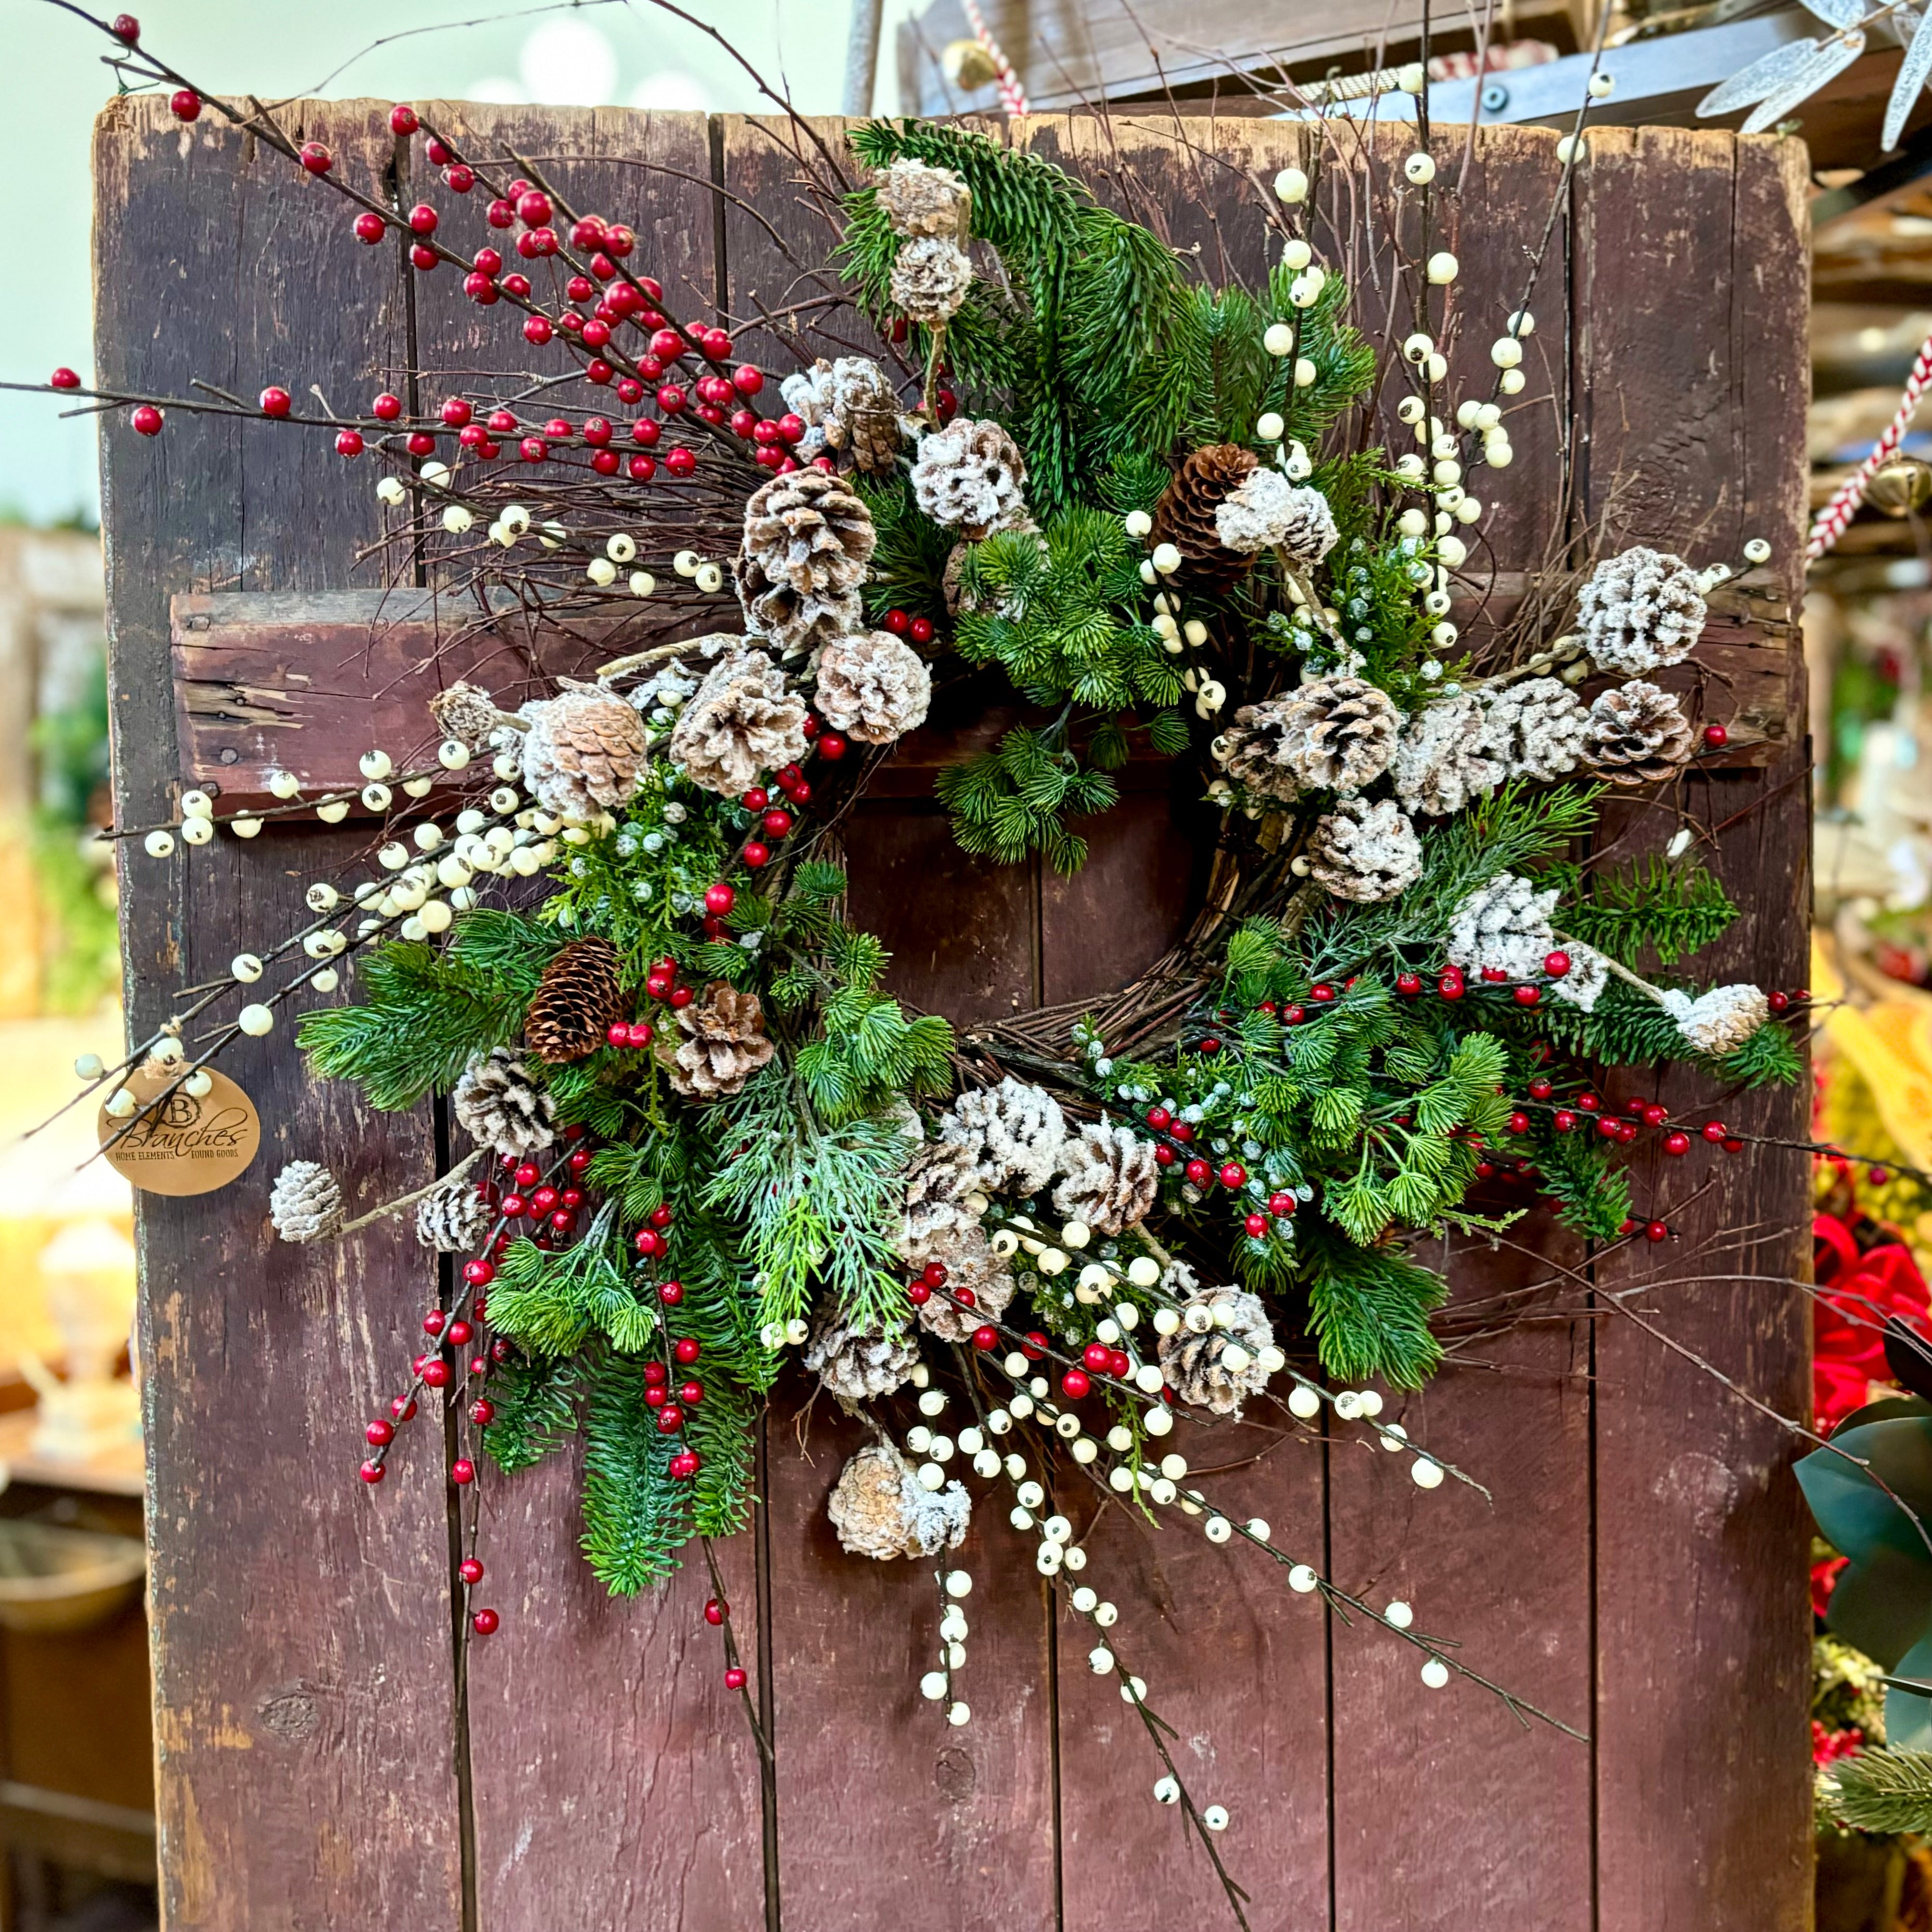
pixel 858 1365
pixel 466 713
pixel 939 1176
pixel 1184 517
pixel 581 992
pixel 1638 734
pixel 873 687
pixel 744 720
pixel 720 1042
pixel 455 1219
pixel 1214 1357
pixel 1337 734
pixel 499 1106
pixel 807 542
pixel 970 1264
pixel 584 752
pixel 1111 1178
pixel 1366 853
pixel 849 407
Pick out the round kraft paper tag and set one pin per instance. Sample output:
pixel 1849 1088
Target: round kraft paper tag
pixel 179 1142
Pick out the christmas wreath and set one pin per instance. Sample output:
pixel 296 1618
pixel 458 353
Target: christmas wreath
pixel 702 1136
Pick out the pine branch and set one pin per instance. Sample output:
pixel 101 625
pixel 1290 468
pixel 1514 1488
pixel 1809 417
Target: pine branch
pixel 1369 1309
pixel 535 1401
pixel 1886 1791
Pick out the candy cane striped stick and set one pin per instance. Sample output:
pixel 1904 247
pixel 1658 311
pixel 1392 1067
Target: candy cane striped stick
pixel 1831 520
pixel 1012 95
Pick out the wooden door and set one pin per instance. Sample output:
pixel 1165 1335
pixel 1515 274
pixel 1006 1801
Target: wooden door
pixel 327 1758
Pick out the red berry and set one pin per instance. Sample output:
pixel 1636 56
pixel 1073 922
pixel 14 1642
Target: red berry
pixel 484 1623
pixel 1540 1089
pixel 719 899
pixel 919 1294
pixel 686 1464
pixel 422 219
pixel 348 442
pixel 479 1274
pixel 1878 1177
pixel 482 1412
pixel 1257 1226
pixel 1183 1130
pixel 1450 986
pixel 648 1241
pixel 146 420
pixel 920 630
pixel 1714 1130
pixel 372 1471
pixel 458 1333
pixel 401 1408
pixel 716 1611
pixel 126 27
pixel 1494 975
pixel 1199 1172
pixel 533 208
pixel 1233 1174
pixel 386 408
pixel 1778 1002
pixel 1527 996
pixel 670 1419
pixel 1563 1121
pixel 655 1373
pixel 1075 1384
pixel 1716 737
pixel 1519 1123
pixel 379 1434
pixel 831 746
pixel 1677 1143
pixel 671 1293
pixel 462 1471
pixel 681 462
pixel 1655 1116
pixel 1734 1146
pixel 618 1034
pixel 899 622
pixel 756 855
pixel 185 104
pixel 435 1374
pixel 687 1349
pixel 1588 1102
pixel 1160 1119
pixel 433 1323
pixel 403 122
pixel 1408 984
pixel 1556 964
pixel 316 158
pixel 1657 1231
pixel 1610 1127
pixel 1282 1203
pixel 1321 995
pixel 1098 1357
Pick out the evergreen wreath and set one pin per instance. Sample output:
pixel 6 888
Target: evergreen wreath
pixel 712 1137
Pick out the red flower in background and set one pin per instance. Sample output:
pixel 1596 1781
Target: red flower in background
pixel 1848 1320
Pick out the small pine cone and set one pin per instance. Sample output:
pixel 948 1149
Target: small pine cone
pixel 873 687
pixel 852 406
pixel 1014 1133
pixel 1185 516
pixel 1638 734
pixel 1445 758
pixel 1639 612
pixel 305 1204
pixel 922 200
pixel 455 1219
pixel 1720 1021
pixel 858 1365
pixel 1583 985
pixel 1111 1178
pixel 1268 512
pixel 808 542
pixel 1504 925
pixel 584 752
pixel 720 1042
pixel 939 1177
pixel 881 1509
pixel 930 279
pixel 500 1107
pixel 467 713
pixel 971 1265
pixel 1365 852
pixel 580 993
pixel 1251 750
pixel 1537 728
pixel 971 477
pixel 1337 734
pixel 743 721
pixel 1214 1357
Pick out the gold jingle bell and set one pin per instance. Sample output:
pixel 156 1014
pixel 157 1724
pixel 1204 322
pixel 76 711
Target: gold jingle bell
pixel 967 65
pixel 1903 485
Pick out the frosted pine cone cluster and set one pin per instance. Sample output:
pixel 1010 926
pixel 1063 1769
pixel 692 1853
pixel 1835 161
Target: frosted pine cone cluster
pixel 743 721
pixel 849 408
pixel 808 541
pixel 584 752
pixel 1446 757
pixel 1538 729
pixel 1720 1021
pixel 1337 734
pixel 874 687
pixel 305 1203
pixel 930 278
pixel 1366 852
pixel 1638 734
pixel 939 1177
pixel 1503 926
pixel 881 1509
pixel 1111 1178
pixel 1640 611
pixel 1268 512
pixel 467 713
pixel 1013 1133
pixel 921 199
pixel 858 1365
pixel 500 1107
pixel 971 1265
pixel 971 477
pixel 1220 1352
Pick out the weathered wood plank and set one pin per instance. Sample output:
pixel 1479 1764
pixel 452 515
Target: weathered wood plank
pixel 615 1712
pixel 303 1672
pixel 1701 1615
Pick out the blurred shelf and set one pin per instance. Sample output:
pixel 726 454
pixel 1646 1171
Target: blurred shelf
pixel 119 1471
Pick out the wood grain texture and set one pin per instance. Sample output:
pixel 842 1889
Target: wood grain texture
pixel 303 1672
pixel 1702 1618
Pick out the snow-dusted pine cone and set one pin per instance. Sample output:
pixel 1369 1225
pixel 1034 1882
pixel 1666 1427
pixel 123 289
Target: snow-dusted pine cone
pixel 1014 1133
pixel 858 1365
pixel 1213 1359
pixel 971 477
pixel 1639 612
pixel 873 686
pixel 1504 924
pixel 500 1107
pixel 1720 1021
pixel 467 713
pixel 939 1176
pixel 1445 758
pixel 455 1219
pixel 1251 751
pixel 922 200
pixel 1111 1178
pixel 1366 852
pixel 580 993
pixel 584 752
pixel 717 1044
pixel 849 407
pixel 1267 511
pixel 1583 985
pixel 305 1204
pixel 1638 734
pixel 1537 728
pixel 743 721
pixel 972 1267
pixel 881 1509
pixel 1337 734
pixel 808 542
pixel 1185 516
pixel 930 278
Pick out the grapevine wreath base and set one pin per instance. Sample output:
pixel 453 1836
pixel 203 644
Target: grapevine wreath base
pixel 695 1136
